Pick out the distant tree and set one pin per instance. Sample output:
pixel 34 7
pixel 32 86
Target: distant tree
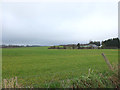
pixel 110 43
pixel 64 47
pixel 54 47
pixel 27 46
pixel 58 47
pixel 73 46
pixel 91 42
pixel 78 45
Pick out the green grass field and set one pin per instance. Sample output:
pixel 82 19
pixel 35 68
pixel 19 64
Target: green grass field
pixel 38 65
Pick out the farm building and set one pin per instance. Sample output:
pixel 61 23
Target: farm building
pixel 88 46
pixel 74 46
pixel 93 46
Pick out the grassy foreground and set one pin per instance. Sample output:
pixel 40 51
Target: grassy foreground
pixel 39 66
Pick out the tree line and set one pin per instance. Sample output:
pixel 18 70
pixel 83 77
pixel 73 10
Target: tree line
pixel 106 44
pixel 111 43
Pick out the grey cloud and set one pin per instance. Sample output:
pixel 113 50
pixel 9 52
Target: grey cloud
pixel 58 23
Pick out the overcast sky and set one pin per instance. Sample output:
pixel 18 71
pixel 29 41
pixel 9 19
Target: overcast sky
pixel 52 23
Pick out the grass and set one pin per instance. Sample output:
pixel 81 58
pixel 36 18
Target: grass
pixel 39 66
